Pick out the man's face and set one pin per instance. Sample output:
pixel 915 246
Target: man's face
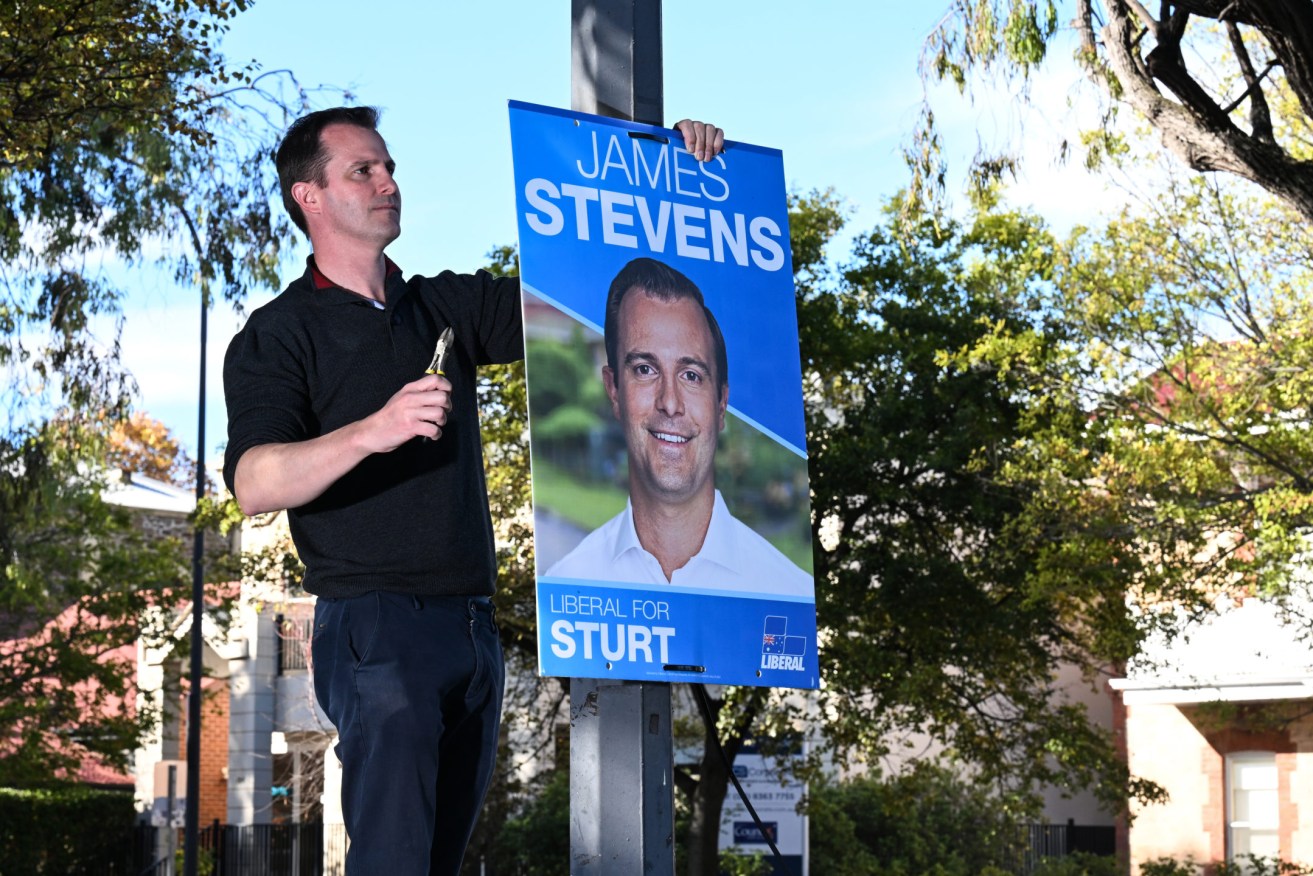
pixel 359 200
pixel 666 396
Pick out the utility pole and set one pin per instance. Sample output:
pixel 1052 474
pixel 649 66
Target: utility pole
pixel 622 803
pixel 615 59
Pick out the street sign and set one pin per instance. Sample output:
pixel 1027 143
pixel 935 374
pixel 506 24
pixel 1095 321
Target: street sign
pixel 775 800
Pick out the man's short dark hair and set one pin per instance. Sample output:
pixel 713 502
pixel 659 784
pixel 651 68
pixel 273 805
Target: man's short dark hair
pixel 663 283
pixel 301 156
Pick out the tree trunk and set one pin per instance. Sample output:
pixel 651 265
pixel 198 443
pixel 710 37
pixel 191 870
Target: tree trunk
pixel 707 797
pixel 708 801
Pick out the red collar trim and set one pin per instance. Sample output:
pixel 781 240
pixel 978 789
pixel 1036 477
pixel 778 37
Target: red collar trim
pixel 322 282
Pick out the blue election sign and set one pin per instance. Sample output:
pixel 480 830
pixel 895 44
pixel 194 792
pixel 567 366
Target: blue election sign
pixel 671 501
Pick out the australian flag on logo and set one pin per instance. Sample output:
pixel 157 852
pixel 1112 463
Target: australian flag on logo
pixel 775 641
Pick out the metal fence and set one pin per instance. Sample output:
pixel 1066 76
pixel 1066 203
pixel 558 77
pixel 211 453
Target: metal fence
pixel 294 631
pixel 1041 841
pixel 320 849
pixel 256 850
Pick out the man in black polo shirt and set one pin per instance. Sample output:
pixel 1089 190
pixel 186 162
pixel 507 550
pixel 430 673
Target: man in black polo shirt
pixel 331 416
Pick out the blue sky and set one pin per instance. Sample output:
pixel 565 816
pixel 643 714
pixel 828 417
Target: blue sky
pixel 833 84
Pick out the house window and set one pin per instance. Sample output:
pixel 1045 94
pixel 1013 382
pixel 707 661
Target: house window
pixel 298 786
pixel 1252 807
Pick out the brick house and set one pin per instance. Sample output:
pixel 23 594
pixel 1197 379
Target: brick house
pixel 1222 718
pixel 162 509
pixel 264 741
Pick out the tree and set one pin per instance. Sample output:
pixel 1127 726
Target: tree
pixel 72 70
pixel 533 704
pixel 944 606
pixel 536 839
pixel 926 820
pixel 120 126
pixel 935 531
pixel 80 580
pixel 143 445
pixel 125 142
pixel 1187 341
pixel 1227 85
pixel 934 500
pixel 504 422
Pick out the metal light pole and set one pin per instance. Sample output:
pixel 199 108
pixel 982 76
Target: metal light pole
pixel 191 844
pixel 622 817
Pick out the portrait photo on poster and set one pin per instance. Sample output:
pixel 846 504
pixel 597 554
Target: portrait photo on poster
pixel 633 444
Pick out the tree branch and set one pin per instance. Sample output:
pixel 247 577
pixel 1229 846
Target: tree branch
pixel 1260 117
pixel 1205 138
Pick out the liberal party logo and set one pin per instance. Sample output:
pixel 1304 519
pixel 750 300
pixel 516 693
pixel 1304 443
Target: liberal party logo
pixel 778 650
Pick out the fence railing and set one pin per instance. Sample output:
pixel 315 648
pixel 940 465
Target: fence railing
pixel 259 850
pixel 294 631
pixel 320 849
pixel 1041 841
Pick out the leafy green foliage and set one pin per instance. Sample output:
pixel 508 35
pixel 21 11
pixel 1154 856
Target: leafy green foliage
pixel 81 582
pixel 1244 865
pixel 535 841
pixel 124 140
pixel 532 706
pixel 504 421
pixel 733 863
pixel 950 588
pixel 125 143
pixel 935 581
pixel 1181 333
pixel 1078 864
pixel 69 66
pixel 924 821
pixel 65 830
pixel 740 713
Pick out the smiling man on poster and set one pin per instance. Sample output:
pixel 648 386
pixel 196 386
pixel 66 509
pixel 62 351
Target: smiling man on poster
pixel 667 379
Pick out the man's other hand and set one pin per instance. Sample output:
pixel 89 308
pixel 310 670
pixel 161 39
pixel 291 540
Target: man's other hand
pixel 702 139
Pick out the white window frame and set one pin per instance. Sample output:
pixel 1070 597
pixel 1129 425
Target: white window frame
pixel 1237 830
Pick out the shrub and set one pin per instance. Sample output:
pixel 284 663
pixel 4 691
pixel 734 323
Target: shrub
pixel 1078 864
pixel 734 863
pixel 1247 865
pixel 925 821
pixel 536 840
pixel 65 830
pixel 1169 867
pixel 1253 865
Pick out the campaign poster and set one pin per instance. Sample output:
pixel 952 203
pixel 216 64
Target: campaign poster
pixel 671 499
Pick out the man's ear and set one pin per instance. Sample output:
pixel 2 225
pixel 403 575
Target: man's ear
pixel 724 404
pixel 306 196
pixel 608 381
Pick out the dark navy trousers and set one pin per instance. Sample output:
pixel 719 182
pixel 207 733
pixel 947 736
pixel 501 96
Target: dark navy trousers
pixel 414 687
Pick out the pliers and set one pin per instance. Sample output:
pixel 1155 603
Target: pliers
pixel 441 352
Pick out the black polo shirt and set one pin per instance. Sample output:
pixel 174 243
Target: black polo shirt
pixel 318 357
